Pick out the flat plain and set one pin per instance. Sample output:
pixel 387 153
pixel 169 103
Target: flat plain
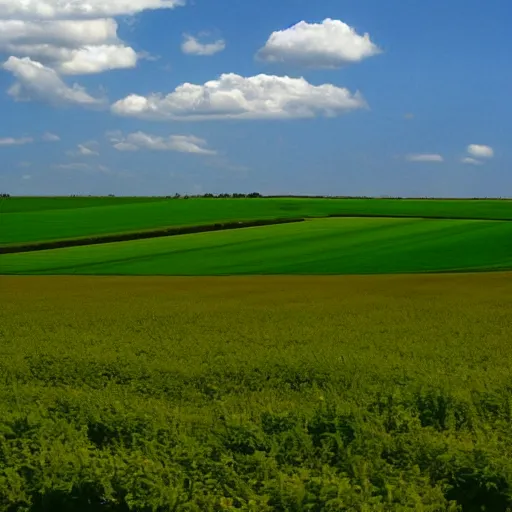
pixel 363 393
pixel 25 220
pixel 284 387
pixel 321 246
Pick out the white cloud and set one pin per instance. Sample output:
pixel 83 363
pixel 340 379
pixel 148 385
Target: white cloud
pixel 140 140
pixel 95 59
pixel 61 33
pixel 50 137
pixel 471 161
pixel 38 82
pixel 192 46
pixel 44 39
pixel 235 97
pixel 68 46
pixel 66 9
pixel 11 141
pixel 329 44
pixel 480 151
pixel 425 158
pixel 125 146
pixel 85 60
pixel 85 149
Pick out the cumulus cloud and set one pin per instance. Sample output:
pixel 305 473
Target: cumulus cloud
pixel 426 157
pixel 85 60
pixel 235 97
pixel 11 141
pixel 95 59
pixel 65 33
pixel 69 46
pixel 480 151
pixel 71 37
pixel 50 137
pixel 66 37
pixel 55 9
pixel 329 44
pixel 38 82
pixel 140 140
pixel 471 161
pixel 192 46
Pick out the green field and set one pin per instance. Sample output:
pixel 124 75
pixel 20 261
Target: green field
pixel 39 204
pixel 326 246
pixel 42 219
pixel 268 394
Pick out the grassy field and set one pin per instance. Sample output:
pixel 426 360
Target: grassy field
pixel 361 393
pixel 326 246
pixel 40 204
pixel 42 219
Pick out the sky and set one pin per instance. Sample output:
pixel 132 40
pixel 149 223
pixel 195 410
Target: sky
pixel 338 97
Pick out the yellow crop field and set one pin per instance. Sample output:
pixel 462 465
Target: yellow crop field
pixel 375 393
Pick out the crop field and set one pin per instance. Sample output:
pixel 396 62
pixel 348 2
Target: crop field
pixel 326 393
pixel 252 369
pixel 322 246
pixel 39 204
pixel 25 220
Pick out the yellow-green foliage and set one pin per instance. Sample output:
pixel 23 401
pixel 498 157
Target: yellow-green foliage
pixel 387 393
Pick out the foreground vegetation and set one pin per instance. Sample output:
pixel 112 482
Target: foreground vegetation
pixel 326 246
pixel 382 393
pixel 43 219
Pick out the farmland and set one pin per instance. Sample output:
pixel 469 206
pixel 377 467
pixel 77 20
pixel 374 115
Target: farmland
pixel 377 393
pixel 322 246
pixel 42 219
pixel 253 369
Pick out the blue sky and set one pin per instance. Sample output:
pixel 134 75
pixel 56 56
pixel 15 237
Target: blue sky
pixel 284 97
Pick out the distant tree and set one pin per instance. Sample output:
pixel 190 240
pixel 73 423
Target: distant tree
pixel 254 194
pixel 5 196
